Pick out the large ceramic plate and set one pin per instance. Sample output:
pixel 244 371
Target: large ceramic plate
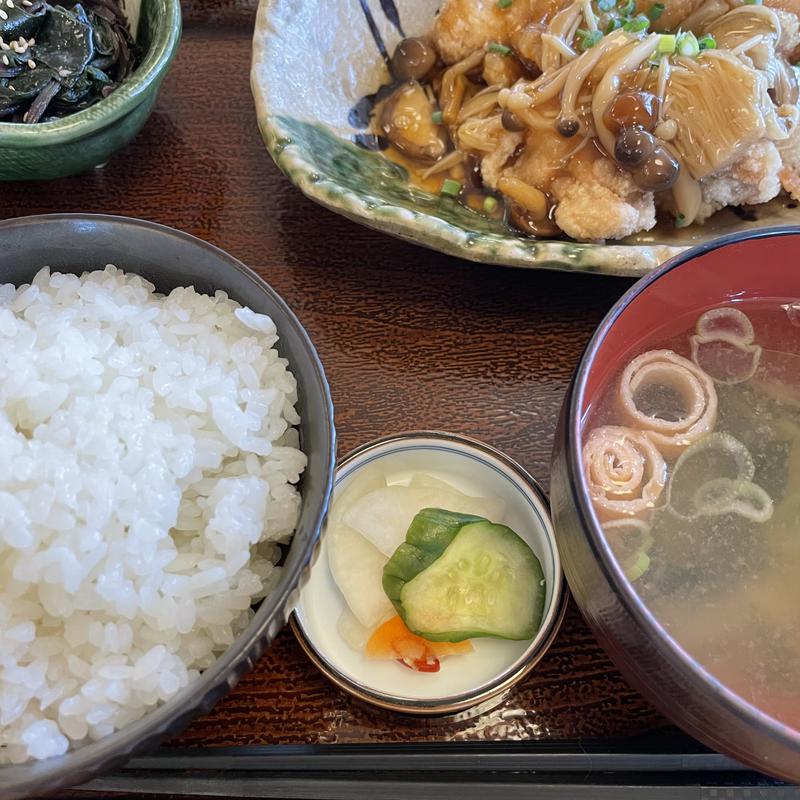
pixel 314 59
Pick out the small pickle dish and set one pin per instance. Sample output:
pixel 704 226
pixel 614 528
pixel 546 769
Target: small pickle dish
pixel 438 585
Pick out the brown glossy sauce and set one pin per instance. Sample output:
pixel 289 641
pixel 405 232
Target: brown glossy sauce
pixel 473 193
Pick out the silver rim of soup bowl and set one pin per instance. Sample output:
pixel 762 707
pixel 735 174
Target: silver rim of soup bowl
pixel 552 618
pixel 697 678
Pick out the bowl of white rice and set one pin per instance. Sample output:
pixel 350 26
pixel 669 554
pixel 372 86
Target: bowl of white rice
pixel 166 458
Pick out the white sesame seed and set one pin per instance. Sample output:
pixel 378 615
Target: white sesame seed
pixel 31 42
pixel 27 3
pixel 5 60
pixel 3 14
pixel 10 3
pixel 31 63
pixel 4 46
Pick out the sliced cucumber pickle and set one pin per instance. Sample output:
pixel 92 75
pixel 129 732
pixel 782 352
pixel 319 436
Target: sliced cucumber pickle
pixel 460 577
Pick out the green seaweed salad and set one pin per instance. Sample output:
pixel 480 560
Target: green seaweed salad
pixel 59 59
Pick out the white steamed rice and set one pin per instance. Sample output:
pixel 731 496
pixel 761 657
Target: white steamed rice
pixel 147 471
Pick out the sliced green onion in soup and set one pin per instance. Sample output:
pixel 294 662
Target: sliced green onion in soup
pixel 638 568
pixel 726 496
pixel 630 540
pixel 717 455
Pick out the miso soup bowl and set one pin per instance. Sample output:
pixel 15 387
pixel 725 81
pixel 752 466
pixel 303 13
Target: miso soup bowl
pixel 748 265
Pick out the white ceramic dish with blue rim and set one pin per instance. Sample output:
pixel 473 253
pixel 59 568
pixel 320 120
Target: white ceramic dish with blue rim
pixel 464 681
pixel 313 60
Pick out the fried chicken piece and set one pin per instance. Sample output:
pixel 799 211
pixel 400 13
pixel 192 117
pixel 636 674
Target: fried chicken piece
pixel 790 33
pixel 500 71
pixel 788 12
pixel 790 171
pixel 464 26
pixel 493 164
pixel 753 178
pixel 595 199
pixel 602 202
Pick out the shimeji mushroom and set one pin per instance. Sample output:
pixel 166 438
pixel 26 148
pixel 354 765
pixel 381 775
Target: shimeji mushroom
pixel 408 123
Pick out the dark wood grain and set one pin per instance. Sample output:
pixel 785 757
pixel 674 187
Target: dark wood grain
pixel 410 339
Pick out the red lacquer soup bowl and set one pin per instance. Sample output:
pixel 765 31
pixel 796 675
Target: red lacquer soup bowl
pixel 760 266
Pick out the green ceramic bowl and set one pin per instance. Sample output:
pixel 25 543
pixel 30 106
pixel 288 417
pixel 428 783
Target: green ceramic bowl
pixel 87 139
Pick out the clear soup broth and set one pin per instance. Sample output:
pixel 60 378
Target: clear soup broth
pixel 692 456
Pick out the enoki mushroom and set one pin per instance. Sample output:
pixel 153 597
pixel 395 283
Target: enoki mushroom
pixel 452 91
pixel 580 71
pixel 630 60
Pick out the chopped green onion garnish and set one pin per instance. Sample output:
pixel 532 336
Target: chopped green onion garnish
pixel 626 7
pixel 587 39
pixel 680 221
pixel 638 568
pixel 638 23
pixel 753 2
pixel 666 43
pixel 613 24
pixel 655 11
pixel 437 118
pixel 687 44
pixel 489 205
pixel 450 187
pixel 504 3
pixel 707 42
pixel 605 5
pixel 500 49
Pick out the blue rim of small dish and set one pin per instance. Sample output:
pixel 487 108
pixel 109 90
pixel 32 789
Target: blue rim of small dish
pixel 553 616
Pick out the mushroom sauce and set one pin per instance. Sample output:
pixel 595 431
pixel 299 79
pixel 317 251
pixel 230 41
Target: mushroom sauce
pixel 587 117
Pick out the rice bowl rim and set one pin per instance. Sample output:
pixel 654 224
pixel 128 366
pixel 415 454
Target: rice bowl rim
pixel 78 766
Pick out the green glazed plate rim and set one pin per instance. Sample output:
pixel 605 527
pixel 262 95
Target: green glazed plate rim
pixel 280 131
pixel 116 105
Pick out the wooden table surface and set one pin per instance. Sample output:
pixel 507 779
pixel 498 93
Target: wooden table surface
pixel 410 339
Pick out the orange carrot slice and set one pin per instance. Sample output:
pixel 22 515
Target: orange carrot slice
pixel 394 640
